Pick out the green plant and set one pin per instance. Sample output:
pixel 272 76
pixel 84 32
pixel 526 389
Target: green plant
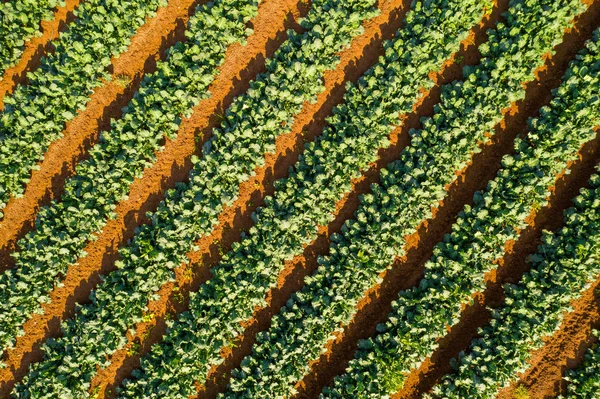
pixel 66 226
pixel 19 22
pixel 122 80
pixel 521 392
pixel 584 381
pixel 421 315
pixel 190 211
pixel 35 114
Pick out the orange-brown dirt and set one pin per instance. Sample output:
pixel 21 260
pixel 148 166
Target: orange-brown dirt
pixel 512 265
pixel 241 64
pixel 35 48
pixel 353 62
pixel 563 350
pixel 340 350
pixel 408 270
pixel 147 46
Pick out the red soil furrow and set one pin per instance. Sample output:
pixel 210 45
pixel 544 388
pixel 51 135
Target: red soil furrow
pixel 35 48
pixel 510 269
pixel 291 278
pixel 340 350
pixel 406 271
pixel 563 350
pixel 353 63
pixel 512 265
pixel 147 46
pixel 241 64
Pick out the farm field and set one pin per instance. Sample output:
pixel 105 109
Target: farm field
pixel 300 199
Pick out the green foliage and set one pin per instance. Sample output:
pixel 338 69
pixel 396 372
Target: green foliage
pixel 369 244
pixel 421 315
pixel 20 21
pixel 65 227
pixel 535 307
pixel 35 114
pixel 303 201
pixel 250 127
pixel 584 381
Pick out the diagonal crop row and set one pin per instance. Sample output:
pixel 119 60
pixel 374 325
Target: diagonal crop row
pixel 220 311
pixel 35 114
pixel 563 350
pixel 362 53
pixel 241 64
pixel 34 47
pixel 422 315
pixel 410 189
pixel 584 381
pixel 562 269
pixel 20 21
pixel 165 97
pixel 249 128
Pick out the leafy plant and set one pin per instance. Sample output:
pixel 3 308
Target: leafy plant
pixel 584 381
pixel 294 75
pixel 368 245
pixel 421 315
pixel 35 114
pixel 20 21
pixel 63 229
pixel 304 200
pixel 535 307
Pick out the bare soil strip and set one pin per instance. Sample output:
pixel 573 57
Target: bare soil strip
pixel 408 270
pixel 564 350
pixel 36 47
pixel 147 46
pixel 354 62
pixel 512 265
pixel 510 270
pixel 341 350
pixel 241 64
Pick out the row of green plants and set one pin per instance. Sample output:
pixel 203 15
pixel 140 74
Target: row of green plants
pixel 190 211
pixel 65 227
pixel 410 188
pixel 422 315
pixel 305 200
pixel 565 265
pixel 584 381
pixel 34 115
pixel 19 22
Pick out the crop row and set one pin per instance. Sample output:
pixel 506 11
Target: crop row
pixel 190 211
pixel 305 201
pixel 20 21
pixel 63 229
pixel 565 264
pixel 35 114
pixel 584 381
pixel 422 315
pixel 410 188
